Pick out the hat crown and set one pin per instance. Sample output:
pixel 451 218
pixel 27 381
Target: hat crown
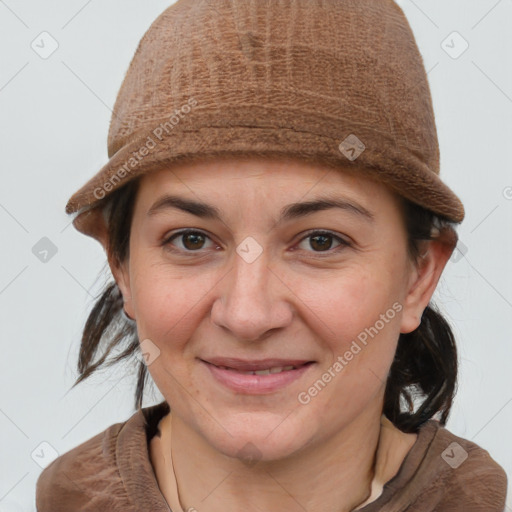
pixel 352 60
pixel 314 80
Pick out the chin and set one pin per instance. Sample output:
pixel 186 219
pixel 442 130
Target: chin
pixel 252 437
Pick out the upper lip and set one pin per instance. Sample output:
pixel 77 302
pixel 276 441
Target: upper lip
pixel 254 365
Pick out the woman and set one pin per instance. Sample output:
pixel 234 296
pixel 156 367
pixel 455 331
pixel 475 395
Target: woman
pixel 276 226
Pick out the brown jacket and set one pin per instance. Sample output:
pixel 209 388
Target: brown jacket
pixel 112 472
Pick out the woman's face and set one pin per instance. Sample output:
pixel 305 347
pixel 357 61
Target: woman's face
pixel 248 267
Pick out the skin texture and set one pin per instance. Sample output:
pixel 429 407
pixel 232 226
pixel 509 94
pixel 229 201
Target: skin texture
pixel 198 298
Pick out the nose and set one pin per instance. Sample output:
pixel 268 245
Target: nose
pixel 253 301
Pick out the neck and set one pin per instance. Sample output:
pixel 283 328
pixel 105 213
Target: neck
pixel 335 475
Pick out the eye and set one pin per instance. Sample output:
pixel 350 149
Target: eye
pixel 322 241
pixel 191 240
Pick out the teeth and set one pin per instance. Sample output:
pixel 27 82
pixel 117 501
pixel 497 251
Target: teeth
pixel 267 371
pixel 262 372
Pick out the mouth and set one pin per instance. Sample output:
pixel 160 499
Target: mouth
pixel 256 377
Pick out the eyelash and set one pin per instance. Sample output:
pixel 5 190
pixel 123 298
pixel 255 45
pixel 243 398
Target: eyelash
pixel 320 254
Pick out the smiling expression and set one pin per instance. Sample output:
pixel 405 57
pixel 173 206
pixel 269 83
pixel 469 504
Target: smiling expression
pixel 252 278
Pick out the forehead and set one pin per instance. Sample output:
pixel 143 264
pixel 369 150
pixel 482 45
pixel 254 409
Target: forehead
pixel 269 176
pixel 251 190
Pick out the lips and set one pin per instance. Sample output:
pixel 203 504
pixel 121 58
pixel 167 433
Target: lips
pixel 270 365
pixel 256 377
pixel 268 371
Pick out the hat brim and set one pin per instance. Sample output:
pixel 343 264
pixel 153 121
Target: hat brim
pixel 396 166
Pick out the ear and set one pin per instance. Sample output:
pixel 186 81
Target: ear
pixel 121 273
pixel 424 278
pixel 93 223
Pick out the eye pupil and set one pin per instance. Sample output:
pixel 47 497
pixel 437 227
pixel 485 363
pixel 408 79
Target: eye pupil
pixel 325 242
pixel 196 240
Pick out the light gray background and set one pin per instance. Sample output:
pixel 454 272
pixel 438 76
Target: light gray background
pixel 54 121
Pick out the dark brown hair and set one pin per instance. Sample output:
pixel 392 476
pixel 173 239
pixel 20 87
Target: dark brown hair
pixel 422 379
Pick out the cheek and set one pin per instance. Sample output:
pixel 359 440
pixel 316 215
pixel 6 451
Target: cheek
pixel 167 303
pixel 346 302
pixel 169 307
pixel 356 315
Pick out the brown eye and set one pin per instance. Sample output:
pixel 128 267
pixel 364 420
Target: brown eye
pixel 193 240
pixel 187 241
pixel 321 241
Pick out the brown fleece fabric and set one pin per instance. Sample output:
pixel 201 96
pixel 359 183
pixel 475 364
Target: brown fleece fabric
pixel 112 472
pixel 338 82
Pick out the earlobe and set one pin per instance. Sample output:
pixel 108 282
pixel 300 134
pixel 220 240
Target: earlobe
pixel 122 278
pixel 424 280
pixel 126 310
pixel 119 271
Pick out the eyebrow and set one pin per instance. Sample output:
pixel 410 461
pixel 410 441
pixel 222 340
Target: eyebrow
pixel 289 212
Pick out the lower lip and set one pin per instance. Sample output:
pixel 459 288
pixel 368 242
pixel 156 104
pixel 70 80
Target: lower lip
pixel 256 384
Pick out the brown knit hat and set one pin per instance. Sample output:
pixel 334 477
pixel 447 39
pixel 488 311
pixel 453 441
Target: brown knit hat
pixel 334 81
